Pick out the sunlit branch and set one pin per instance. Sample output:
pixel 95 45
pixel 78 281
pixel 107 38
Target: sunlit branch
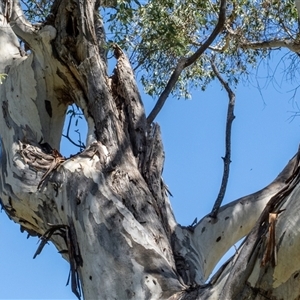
pixel 20 25
pixel 284 43
pixel 238 272
pixel 227 157
pixel 187 61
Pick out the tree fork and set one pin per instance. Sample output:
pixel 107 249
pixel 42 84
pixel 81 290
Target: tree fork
pixel 111 195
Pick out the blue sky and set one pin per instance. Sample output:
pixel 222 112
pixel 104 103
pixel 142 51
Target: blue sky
pixel 263 140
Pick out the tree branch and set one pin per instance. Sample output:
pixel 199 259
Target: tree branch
pixel 226 158
pixel 244 262
pixel 284 43
pixel 185 62
pixel 20 25
pixel 297 3
pixel 67 136
pixel 235 220
pixel 41 11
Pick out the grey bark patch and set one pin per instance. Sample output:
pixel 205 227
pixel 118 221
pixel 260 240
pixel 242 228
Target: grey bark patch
pixel 280 240
pixel 6 115
pixel 1 151
pixel 130 294
pixel 149 259
pixel 78 189
pixel 29 177
pixel 3 161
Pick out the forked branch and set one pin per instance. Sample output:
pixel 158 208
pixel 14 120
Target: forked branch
pixel 185 62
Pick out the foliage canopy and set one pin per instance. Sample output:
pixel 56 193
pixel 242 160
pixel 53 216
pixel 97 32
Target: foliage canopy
pixel 157 33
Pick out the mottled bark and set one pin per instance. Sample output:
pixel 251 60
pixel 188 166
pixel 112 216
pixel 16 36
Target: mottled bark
pixel 106 209
pixel 108 203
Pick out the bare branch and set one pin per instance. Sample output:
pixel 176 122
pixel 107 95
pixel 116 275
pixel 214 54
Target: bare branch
pixel 226 158
pixel 185 62
pixel 284 43
pixel 211 38
pixel 80 145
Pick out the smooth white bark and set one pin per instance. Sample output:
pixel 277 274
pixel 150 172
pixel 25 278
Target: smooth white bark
pixel 125 241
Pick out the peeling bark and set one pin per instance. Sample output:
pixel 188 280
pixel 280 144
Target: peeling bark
pixel 106 209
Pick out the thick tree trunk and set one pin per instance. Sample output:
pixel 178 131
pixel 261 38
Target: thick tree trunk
pixel 108 202
pixel 106 209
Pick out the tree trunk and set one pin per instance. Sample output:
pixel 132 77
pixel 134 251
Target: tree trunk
pixel 106 209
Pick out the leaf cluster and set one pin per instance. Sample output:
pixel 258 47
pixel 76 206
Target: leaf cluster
pixel 157 33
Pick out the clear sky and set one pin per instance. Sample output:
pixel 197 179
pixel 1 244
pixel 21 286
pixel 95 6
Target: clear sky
pixel 263 140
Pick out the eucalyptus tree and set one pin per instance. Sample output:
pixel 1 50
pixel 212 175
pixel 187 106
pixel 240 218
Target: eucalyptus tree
pixel 106 209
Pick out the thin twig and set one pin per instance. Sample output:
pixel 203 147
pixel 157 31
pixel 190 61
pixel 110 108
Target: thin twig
pixel 67 136
pixel 41 11
pixel 226 158
pixel 184 62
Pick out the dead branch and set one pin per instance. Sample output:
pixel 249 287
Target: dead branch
pixel 271 44
pixel 80 144
pixel 227 157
